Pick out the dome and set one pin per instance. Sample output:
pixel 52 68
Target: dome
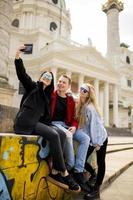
pixel 50 16
pixel 60 3
pixel 63 4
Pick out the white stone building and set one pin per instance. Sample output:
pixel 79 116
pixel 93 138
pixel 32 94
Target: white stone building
pixel 46 25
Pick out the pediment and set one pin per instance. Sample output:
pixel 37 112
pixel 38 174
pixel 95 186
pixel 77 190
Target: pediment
pixel 90 56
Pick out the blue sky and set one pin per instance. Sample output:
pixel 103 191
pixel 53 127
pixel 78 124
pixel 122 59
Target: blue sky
pixel 88 21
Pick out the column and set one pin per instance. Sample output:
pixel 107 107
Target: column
pixel 27 14
pixel 101 102
pixel 54 71
pixel 6 92
pixel 96 86
pixel 69 74
pixel 132 120
pixel 80 81
pixel 115 105
pixel 34 20
pixel 106 103
pixel 30 21
pixel 5 27
pixel 22 21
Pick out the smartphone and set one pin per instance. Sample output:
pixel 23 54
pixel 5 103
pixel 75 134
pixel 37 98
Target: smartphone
pixel 28 49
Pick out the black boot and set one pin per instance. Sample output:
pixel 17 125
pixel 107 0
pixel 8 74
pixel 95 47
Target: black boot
pixel 92 180
pixel 79 178
pixel 73 186
pixel 94 194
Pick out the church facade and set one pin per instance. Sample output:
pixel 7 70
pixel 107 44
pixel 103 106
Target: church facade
pixel 45 26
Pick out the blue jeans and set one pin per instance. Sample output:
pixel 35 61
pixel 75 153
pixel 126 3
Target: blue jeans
pixel 77 162
pixel 68 151
pixel 84 140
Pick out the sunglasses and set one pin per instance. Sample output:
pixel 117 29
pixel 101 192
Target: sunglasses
pixel 47 75
pixel 83 90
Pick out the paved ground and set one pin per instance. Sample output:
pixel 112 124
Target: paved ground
pixel 121 188
pixel 116 163
pixel 116 139
pixel 118 169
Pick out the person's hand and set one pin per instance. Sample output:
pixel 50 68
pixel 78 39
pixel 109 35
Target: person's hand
pixel 18 52
pixel 97 148
pixel 72 129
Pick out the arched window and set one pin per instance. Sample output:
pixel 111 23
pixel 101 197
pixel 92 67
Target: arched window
pixel 53 26
pixel 55 1
pixel 15 23
pixel 129 83
pixel 128 60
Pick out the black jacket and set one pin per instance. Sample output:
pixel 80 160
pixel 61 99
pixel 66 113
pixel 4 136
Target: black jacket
pixel 35 103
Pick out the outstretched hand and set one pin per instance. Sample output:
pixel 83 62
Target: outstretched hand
pixel 18 52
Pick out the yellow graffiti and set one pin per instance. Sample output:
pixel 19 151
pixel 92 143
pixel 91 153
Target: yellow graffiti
pixel 23 172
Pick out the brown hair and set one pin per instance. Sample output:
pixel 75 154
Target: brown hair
pixel 65 76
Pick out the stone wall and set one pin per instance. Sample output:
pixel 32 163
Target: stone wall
pixel 7 116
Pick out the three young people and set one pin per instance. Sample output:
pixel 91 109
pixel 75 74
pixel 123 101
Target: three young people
pixel 34 117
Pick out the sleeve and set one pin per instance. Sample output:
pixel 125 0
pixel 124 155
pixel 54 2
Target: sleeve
pixel 75 123
pixel 74 120
pixel 95 127
pixel 24 78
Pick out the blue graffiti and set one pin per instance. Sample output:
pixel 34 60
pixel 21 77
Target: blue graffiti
pixel 6 153
pixel 44 148
pixel 4 193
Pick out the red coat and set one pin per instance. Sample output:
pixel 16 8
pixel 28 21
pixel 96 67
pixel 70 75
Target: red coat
pixel 70 120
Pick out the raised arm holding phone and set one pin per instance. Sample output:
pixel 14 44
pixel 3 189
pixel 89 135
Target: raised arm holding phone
pixel 34 118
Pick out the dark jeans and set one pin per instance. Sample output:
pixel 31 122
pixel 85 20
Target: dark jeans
pixel 56 138
pixel 101 153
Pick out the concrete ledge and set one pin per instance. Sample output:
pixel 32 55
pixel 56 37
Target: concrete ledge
pixel 23 169
pixel 121 149
pixel 116 163
pixel 108 181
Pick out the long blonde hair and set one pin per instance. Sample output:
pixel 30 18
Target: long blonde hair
pixel 80 107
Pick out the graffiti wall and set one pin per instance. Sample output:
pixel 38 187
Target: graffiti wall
pixel 23 170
